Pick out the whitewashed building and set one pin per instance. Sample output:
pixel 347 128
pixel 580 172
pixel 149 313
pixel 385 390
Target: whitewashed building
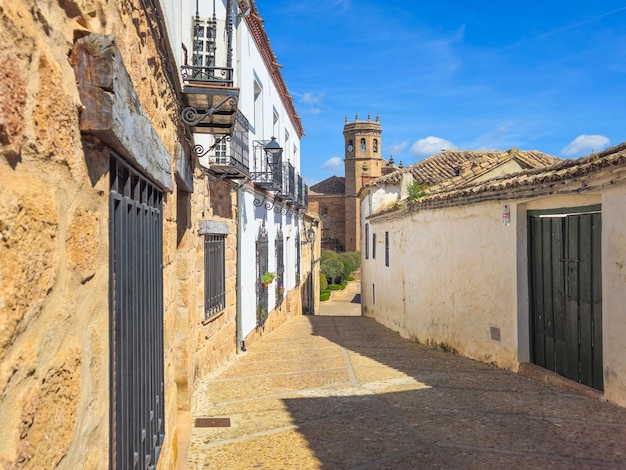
pixel 522 270
pixel 238 103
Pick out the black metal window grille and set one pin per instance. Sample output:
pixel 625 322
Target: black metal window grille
pixel 367 241
pixel 279 245
pixel 298 257
pixel 306 195
pixel 289 181
pixel 204 59
pixel 239 146
pixel 136 319
pixel 373 246
pixel 262 266
pixel 214 274
pixel 203 54
pixel 300 186
pixel 386 248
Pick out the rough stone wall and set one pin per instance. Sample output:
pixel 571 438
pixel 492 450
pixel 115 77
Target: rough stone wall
pixel 54 345
pixel 54 242
pixel 331 210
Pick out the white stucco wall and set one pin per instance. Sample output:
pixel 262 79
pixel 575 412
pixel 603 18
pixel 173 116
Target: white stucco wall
pixel 250 67
pixel 457 272
pixel 448 295
pixel 614 293
pixel 253 217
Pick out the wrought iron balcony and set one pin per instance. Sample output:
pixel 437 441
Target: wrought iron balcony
pixel 301 196
pixel 209 97
pixel 305 197
pixel 214 76
pixel 210 109
pixel 267 169
pixel 288 191
pixel 229 156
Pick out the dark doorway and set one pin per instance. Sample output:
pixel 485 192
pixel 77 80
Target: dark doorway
pixel 566 292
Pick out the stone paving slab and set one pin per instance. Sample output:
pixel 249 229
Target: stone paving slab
pixel 330 392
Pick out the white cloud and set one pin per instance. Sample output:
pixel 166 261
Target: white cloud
pixel 430 145
pixel 586 143
pixel 310 98
pixel 398 147
pixel 333 163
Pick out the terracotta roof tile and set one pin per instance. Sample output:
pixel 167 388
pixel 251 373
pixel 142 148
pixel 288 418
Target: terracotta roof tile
pixel 564 171
pixel 462 166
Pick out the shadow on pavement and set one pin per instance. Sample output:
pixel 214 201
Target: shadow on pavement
pixel 407 406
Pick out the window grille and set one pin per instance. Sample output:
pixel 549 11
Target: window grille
pixel 298 256
pixel 373 246
pixel 262 266
pixel 367 241
pixel 214 275
pixel 203 54
pixel 280 264
pixel 136 319
pixel 386 248
pixel 220 150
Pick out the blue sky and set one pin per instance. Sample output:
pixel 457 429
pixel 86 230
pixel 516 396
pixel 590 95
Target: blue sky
pixel 544 75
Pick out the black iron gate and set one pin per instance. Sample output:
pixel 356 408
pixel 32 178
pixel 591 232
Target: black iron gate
pixel 566 292
pixel 136 319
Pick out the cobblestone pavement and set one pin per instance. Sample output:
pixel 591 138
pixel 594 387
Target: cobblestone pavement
pixel 331 392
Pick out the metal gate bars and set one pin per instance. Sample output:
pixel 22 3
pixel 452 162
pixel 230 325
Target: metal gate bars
pixel 136 319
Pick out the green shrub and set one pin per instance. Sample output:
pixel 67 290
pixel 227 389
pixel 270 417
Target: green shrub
pixel 351 261
pixel 325 296
pixel 350 278
pixel 323 283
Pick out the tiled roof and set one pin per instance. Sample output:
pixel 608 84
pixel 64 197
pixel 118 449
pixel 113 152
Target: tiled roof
pixel 532 182
pixel 465 165
pixel 332 185
pixel 565 171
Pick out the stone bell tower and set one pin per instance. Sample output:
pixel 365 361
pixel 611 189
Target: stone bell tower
pixel 363 161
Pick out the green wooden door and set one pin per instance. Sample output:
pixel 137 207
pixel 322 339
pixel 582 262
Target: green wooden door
pixel 566 292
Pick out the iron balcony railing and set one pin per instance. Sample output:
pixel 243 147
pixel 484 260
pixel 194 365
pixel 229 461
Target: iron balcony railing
pixel 288 192
pixel 218 76
pixel 299 189
pixel 209 97
pixel 305 196
pixel 229 157
pixel 267 170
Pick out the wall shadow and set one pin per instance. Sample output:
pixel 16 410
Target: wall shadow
pixel 407 406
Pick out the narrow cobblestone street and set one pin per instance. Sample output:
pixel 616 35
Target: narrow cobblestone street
pixel 343 392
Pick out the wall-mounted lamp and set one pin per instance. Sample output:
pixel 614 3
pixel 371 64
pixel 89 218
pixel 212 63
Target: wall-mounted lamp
pixel 311 234
pixel 273 151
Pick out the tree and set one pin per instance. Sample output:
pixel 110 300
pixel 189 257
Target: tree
pixel 331 266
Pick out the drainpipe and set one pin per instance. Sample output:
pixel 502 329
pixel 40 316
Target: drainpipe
pixel 240 343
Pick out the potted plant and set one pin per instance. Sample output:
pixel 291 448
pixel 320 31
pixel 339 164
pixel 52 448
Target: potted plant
pixel 267 278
